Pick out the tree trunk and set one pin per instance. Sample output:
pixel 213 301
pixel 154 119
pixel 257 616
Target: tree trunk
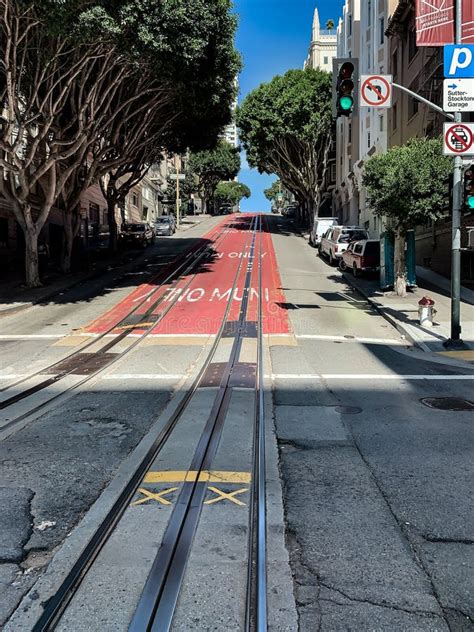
pixel 68 240
pixel 399 263
pixel 32 277
pixel 112 222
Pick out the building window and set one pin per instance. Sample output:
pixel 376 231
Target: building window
pixel 326 61
pixel 333 172
pixel 134 199
pixel 381 126
pixel 369 12
pixel 94 213
pixel 349 21
pixel 375 223
pixel 368 140
pixel 413 106
pixel 349 133
pixel 394 117
pixel 412 47
pixel 382 30
pixel 395 63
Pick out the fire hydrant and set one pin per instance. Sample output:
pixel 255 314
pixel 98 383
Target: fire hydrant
pixel 426 311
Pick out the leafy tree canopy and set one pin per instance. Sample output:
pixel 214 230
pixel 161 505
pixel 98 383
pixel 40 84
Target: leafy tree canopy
pixel 232 192
pixel 213 165
pixel 409 184
pixel 286 128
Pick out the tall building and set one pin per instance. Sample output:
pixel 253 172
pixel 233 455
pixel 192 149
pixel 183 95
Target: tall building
pixel 373 122
pixel 346 193
pixel 323 46
pixel 230 132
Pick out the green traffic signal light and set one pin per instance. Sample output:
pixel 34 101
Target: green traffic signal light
pixel 346 103
pixel 470 201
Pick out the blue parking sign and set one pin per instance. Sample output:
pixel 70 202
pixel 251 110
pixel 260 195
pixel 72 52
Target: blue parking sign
pixel 459 60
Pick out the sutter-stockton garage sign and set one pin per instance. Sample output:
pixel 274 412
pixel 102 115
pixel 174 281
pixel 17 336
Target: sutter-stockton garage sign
pixel 435 22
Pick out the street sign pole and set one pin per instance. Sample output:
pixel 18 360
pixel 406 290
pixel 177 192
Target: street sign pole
pixel 176 164
pixel 455 340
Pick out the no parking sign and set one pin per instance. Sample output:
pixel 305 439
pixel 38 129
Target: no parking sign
pixel 459 139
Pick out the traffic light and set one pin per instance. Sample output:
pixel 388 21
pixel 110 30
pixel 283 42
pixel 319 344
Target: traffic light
pixel 345 78
pixel 469 187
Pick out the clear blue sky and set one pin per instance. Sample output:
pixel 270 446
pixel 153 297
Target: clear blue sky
pixel 273 37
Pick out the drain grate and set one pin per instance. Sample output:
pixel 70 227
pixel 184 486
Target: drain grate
pixel 448 403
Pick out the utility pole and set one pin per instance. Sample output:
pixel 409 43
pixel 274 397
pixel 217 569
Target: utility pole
pixel 455 340
pixel 176 164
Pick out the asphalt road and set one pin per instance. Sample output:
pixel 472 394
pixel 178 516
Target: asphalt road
pixel 369 490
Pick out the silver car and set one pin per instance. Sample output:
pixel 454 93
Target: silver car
pixel 164 225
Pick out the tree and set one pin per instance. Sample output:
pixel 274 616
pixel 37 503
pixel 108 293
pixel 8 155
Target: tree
pixel 278 195
pixel 213 165
pixel 408 185
pixel 232 192
pixel 286 128
pixel 68 84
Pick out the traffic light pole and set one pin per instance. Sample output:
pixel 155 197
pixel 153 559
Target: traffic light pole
pixel 455 341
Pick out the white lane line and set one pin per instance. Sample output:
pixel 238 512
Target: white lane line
pixel 344 376
pixel 12 376
pixel 144 376
pixel 385 341
pixel 31 336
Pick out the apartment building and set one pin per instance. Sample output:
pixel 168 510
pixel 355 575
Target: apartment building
pixel 421 70
pixel 373 122
pixel 346 192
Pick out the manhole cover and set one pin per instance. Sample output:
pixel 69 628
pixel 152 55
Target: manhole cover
pixel 348 410
pixel 448 403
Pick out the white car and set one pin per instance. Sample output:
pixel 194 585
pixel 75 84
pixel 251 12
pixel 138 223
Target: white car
pixel 336 240
pixel 320 226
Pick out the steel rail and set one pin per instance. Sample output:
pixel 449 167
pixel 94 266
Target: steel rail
pixel 146 299
pixel 116 358
pixel 156 607
pixel 56 605
pixel 256 596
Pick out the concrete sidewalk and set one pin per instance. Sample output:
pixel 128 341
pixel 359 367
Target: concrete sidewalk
pixel 14 297
pixel 403 312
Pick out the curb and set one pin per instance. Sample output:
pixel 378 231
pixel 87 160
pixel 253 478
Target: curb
pixel 415 341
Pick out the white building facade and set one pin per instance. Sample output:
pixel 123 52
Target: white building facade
pixel 346 193
pixel 323 47
pixel 373 122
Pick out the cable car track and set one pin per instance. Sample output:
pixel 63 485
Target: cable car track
pixel 156 607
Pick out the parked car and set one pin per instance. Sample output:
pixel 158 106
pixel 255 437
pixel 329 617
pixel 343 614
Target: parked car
pixel 137 234
pixel 361 256
pixel 320 226
pixel 337 239
pixel 165 225
pixel 225 209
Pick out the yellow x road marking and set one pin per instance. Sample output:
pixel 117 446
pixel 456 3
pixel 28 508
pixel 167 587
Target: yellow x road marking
pixel 224 496
pixel 147 495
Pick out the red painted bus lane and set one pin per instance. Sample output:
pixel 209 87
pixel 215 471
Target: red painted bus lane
pixel 200 305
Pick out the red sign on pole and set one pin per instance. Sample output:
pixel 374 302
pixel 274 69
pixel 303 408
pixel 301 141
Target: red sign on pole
pixel 435 22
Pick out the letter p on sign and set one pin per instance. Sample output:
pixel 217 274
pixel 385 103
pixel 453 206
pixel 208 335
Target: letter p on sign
pixel 459 61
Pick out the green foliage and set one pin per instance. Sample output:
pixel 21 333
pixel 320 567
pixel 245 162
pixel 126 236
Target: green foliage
pixel 232 192
pixel 213 165
pixel 285 127
pixel 409 184
pixel 187 45
pixel 274 192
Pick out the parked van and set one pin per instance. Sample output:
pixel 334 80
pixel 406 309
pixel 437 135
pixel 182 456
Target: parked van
pixel 320 226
